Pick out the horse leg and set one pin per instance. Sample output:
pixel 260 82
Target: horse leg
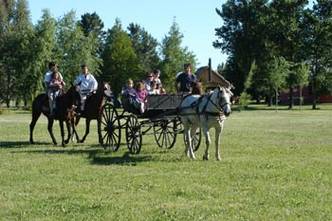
pixel 50 129
pixel 62 133
pixel 68 125
pixel 87 130
pixel 207 142
pixel 187 140
pixel 35 117
pixel 217 141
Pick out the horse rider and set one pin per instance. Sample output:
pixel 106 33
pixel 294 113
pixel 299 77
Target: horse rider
pixel 52 68
pixel 86 84
pixel 185 80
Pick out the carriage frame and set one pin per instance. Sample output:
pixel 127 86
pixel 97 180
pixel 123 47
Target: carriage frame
pixel 161 119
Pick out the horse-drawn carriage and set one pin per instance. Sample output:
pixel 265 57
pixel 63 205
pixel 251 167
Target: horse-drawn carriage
pixel 165 117
pixel 160 119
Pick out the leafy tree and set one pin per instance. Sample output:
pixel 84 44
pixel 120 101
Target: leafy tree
pixel 73 48
pixel 174 56
pixel 243 36
pixel 145 47
pixel 119 58
pixel 284 32
pixel 92 24
pixel 43 49
pixel 316 47
pixel 302 78
pixel 277 71
pixel 92 27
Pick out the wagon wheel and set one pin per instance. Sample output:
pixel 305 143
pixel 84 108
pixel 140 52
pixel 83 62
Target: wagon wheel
pixel 109 129
pixel 195 140
pixel 165 133
pixel 133 135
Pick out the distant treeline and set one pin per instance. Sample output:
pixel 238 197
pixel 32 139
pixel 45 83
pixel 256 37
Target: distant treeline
pixel 272 45
pixel 112 55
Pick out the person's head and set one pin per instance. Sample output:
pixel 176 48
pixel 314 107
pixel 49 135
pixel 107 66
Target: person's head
pixel 187 67
pixel 156 73
pixel 139 86
pixel 52 66
pixel 84 69
pixel 149 76
pixel 130 83
pixel 55 75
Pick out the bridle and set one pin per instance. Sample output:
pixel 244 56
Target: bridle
pixel 221 105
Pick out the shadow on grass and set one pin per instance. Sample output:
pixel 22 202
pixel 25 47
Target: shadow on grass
pixel 19 144
pixel 89 152
pixel 126 159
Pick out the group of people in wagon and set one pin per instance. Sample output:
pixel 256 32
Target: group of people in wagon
pixel 186 82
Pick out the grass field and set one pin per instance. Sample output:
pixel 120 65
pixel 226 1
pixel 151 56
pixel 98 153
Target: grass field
pixel 275 166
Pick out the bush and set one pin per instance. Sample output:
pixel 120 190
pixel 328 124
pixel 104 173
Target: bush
pixel 244 100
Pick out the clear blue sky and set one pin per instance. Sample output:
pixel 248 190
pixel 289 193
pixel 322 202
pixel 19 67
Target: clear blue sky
pixel 197 19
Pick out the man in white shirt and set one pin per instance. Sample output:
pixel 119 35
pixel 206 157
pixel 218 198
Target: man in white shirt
pixel 52 67
pixel 87 84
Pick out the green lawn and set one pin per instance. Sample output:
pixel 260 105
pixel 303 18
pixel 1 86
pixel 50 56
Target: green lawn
pixel 275 166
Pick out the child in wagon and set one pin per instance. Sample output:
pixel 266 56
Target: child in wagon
pixel 141 95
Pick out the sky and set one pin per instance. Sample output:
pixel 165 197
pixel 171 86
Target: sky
pixel 197 19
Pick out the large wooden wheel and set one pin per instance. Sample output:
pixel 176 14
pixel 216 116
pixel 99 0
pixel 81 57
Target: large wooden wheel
pixel 165 132
pixel 195 139
pixel 109 129
pixel 133 135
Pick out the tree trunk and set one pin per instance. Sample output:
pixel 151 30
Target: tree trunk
pixel 291 98
pixel 301 98
pixel 276 95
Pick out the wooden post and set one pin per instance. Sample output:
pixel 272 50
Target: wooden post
pixel 210 70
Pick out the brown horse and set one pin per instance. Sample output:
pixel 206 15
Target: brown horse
pixel 64 112
pixel 92 109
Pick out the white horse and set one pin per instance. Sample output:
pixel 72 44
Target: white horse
pixel 206 111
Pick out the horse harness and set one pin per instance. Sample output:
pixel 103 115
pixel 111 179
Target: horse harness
pixel 195 105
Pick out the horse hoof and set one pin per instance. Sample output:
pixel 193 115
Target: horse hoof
pixel 205 157
pixel 218 159
pixel 31 142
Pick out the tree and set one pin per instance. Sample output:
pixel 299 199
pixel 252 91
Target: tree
pixel 145 47
pixel 174 56
pixel 73 48
pixel 243 36
pixel 285 20
pixel 277 71
pixel 93 26
pixel 43 49
pixel 119 58
pixel 316 45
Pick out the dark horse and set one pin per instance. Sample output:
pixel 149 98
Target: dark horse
pixel 92 109
pixel 64 112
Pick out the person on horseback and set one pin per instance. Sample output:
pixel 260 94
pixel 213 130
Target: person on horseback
pixel 86 84
pixel 185 80
pixel 55 89
pixel 51 88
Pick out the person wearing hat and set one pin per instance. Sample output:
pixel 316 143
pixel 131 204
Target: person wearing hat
pixel 86 83
pixel 52 70
pixel 185 80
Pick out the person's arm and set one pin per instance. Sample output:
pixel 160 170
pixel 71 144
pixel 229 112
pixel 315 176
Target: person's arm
pixel 77 80
pixel 95 83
